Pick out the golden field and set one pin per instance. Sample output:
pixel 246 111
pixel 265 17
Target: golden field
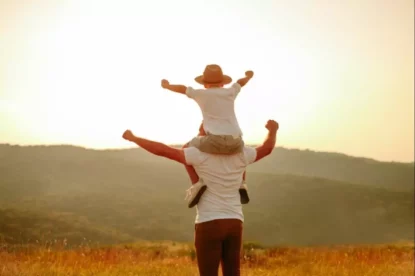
pixel 169 258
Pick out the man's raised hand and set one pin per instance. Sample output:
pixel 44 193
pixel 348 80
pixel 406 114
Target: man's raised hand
pixel 128 135
pixel 272 126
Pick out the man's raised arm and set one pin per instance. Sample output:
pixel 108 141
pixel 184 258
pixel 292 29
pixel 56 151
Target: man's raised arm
pixel 269 144
pixel 156 148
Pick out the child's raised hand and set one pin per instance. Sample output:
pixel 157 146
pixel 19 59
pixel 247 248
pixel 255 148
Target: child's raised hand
pixel 249 74
pixel 164 83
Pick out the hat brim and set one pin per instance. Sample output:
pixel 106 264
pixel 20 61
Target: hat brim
pixel 225 80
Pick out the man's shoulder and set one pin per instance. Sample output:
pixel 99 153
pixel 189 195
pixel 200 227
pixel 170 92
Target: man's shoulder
pixel 250 154
pixel 246 152
pixel 194 150
pixel 192 155
pixel 248 149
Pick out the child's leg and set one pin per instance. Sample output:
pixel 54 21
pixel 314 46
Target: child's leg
pixel 194 178
pixel 244 176
pixel 198 187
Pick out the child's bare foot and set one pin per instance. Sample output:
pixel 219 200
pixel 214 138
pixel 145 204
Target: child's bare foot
pixel 128 135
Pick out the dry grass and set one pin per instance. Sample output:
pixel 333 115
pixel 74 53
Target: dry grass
pixel 168 258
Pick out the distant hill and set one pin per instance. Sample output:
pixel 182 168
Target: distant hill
pixel 122 195
pixel 341 167
pixel 335 166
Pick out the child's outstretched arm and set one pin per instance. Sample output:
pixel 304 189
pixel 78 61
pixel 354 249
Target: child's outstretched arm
pixel 248 75
pixel 173 87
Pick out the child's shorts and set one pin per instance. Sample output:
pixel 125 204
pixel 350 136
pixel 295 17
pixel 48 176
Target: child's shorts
pixel 218 144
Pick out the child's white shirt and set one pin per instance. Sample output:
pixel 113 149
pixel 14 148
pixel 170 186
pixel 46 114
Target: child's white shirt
pixel 217 106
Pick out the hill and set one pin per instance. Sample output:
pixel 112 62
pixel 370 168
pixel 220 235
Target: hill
pixel 23 226
pixel 127 195
pixel 341 167
pixel 338 166
pixel 335 166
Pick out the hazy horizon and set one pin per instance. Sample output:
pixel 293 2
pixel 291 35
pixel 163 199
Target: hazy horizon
pixel 337 75
pixel 180 144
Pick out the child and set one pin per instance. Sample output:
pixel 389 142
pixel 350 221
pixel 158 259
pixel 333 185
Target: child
pixel 222 134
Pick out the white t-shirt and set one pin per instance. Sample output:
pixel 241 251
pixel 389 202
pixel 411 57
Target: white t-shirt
pixel 222 175
pixel 217 105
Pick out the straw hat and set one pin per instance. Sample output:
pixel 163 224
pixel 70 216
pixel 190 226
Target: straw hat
pixel 213 75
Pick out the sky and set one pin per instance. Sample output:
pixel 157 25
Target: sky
pixel 338 75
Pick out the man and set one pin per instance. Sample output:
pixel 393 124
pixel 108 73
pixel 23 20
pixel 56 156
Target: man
pixel 219 216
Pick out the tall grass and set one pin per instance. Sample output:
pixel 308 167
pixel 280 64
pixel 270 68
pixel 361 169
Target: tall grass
pixel 169 258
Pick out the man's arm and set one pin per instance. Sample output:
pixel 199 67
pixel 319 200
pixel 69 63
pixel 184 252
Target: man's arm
pixel 156 148
pixel 248 75
pixel 269 144
pixel 173 87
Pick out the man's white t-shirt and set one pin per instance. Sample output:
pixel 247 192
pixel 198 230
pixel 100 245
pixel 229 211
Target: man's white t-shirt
pixel 217 105
pixel 222 175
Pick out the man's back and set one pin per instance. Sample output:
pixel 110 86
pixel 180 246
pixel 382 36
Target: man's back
pixel 223 176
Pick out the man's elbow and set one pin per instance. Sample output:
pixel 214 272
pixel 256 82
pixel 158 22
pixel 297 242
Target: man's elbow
pixel 263 151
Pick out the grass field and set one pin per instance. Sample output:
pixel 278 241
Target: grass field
pixel 169 258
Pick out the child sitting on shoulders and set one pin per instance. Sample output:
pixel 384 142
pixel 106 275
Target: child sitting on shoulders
pixel 223 134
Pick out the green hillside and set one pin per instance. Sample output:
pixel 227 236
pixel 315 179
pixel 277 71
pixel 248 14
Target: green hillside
pixel 310 211
pixel 336 166
pixel 123 195
pixel 23 226
pixel 390 175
